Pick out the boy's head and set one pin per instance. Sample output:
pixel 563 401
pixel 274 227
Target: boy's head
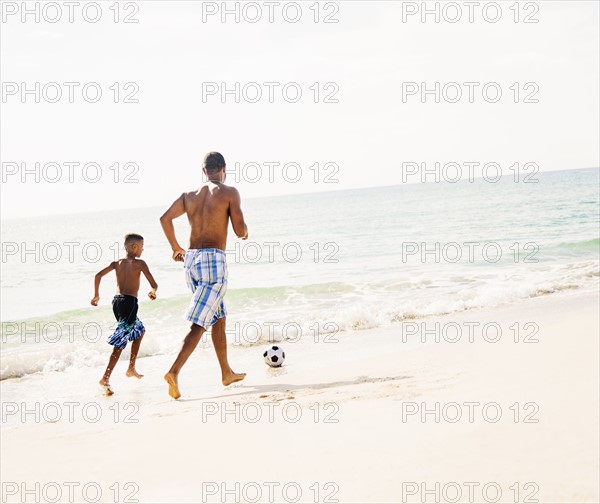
pixel 134 244
pixel 213 164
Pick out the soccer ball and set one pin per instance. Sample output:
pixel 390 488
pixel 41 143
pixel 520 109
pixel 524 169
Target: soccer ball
pixel 274 356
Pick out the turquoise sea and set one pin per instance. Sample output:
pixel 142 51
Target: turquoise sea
pixel 316 265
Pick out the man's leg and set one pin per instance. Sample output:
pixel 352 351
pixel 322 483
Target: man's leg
pixel 219 339
pixel 135 348
pixel 189 344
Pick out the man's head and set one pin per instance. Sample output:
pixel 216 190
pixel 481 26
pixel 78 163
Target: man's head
pixel 214 166
pixel 134 244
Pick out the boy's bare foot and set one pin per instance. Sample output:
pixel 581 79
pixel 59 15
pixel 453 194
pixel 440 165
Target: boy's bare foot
pixel 132 372
pixel 106 389
pixel 232 377
pixel 173 387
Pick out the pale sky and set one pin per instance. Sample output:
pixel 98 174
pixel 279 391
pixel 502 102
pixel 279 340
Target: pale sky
pixel 368 134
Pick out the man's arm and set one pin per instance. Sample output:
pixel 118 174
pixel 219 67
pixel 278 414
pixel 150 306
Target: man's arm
pixel 177 209
pixel 236 215
pixel 151 281
pixel 97 279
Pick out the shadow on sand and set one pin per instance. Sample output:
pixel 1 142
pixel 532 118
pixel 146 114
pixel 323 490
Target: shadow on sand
pixel 287 388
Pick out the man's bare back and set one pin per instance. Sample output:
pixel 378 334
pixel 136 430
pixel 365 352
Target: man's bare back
pixel 208 211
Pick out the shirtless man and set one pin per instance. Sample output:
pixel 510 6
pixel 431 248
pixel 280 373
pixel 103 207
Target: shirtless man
pixel 208 211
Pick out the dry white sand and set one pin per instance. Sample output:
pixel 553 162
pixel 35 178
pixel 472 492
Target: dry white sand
pixel 372 418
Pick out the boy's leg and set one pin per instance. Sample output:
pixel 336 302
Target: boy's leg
pixel 189 344
pixel 135 348
pixel 112 362
pixel 219 339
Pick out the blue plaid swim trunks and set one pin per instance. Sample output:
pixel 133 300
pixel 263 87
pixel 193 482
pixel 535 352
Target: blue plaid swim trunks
pixel 206 276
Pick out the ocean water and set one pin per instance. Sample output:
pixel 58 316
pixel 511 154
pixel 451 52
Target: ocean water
pixel 315 266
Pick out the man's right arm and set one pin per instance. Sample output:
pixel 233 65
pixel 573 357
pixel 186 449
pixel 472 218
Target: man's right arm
pixel 236 215
pixel 177 209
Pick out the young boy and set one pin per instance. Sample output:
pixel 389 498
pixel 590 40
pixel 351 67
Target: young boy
pixel 125 305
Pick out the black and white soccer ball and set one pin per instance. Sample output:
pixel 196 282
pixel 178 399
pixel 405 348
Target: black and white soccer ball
pixel 274 356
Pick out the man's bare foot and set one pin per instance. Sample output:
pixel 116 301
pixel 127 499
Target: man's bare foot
pixel 232 377
pixel 106 389
pixel 132 372
pixel 173 387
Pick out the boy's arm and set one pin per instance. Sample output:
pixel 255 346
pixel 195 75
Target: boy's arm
pixel 236 215
pixel 97 279
pixel 151 281
pixel 177 209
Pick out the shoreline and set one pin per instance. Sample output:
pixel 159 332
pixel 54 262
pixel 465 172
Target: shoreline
pixel 240 335
pixel 183 297
pixel 355 402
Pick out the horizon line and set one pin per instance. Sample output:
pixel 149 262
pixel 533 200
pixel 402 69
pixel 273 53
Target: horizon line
pixel 2 219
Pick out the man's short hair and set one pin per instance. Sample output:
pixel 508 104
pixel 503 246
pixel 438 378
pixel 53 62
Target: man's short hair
pixel 133 238
pixel 213 162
